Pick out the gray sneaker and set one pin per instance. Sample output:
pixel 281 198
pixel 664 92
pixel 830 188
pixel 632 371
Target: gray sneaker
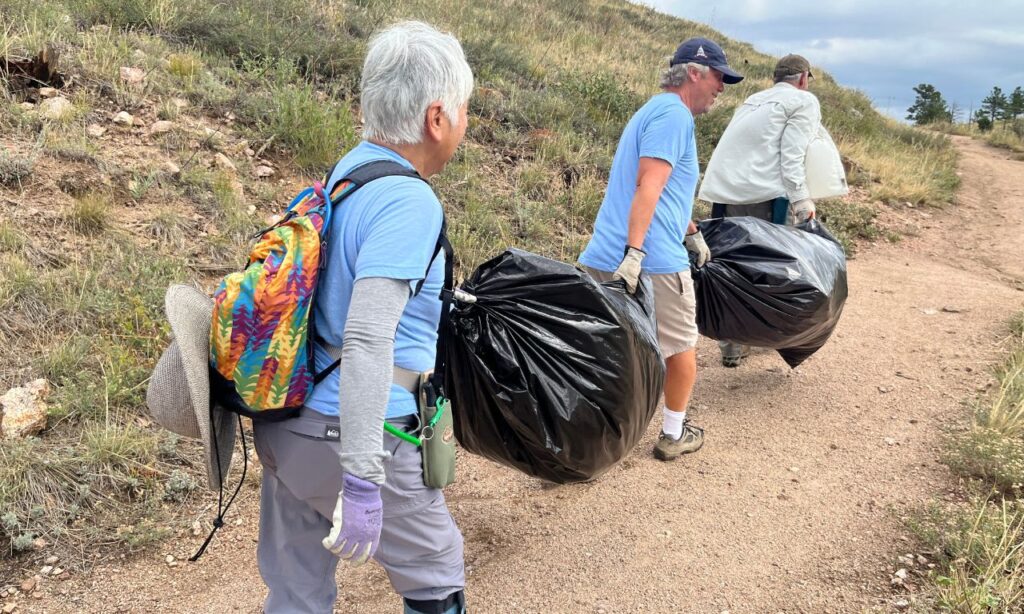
pixel 691 440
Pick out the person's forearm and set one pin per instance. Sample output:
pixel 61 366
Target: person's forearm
pixel 641 213
pixel 366 372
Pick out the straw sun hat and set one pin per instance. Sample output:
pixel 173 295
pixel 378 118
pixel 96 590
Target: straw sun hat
pixel 179 390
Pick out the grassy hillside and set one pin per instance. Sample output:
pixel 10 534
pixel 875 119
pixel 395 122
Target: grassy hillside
pixel 97 218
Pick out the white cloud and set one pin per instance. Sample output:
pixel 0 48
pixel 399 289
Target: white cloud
pixel 880 47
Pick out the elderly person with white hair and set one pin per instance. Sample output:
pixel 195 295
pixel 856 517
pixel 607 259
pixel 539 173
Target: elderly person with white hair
pixel 334 483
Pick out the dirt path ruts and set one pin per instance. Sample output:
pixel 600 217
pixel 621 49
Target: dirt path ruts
pixel 794 503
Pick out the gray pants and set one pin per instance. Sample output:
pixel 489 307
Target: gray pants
pixel 420 547
pixel 765 211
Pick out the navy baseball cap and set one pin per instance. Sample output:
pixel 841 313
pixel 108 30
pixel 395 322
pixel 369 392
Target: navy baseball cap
pixel 703 51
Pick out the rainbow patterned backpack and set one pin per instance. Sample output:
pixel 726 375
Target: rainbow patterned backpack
pixel 262 334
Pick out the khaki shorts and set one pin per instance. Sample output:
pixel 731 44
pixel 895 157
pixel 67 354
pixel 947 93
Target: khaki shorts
pixel 675 309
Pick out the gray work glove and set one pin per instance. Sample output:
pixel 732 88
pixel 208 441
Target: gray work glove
pixel 695 243
pixel 803 210
pixel 629 268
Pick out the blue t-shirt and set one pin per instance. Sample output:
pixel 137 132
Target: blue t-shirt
pixel 663 128
pixel 388 228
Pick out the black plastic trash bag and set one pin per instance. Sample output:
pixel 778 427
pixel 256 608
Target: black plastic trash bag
pixel 550 372
pixel 770 286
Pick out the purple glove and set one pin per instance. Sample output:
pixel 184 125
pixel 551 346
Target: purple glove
pixel 357 520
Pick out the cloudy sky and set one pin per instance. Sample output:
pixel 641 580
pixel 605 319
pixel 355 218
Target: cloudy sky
pixel 882 48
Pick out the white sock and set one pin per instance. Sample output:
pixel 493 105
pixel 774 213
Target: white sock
pixel 673 424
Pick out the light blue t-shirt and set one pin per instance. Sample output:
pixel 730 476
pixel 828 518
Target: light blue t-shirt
pixel 663 128
pixel 388 228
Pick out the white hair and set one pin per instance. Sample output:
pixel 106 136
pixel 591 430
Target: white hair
pixel 409 66
pixel 676 75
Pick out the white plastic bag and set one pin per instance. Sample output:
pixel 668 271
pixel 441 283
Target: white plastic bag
pixel 826 177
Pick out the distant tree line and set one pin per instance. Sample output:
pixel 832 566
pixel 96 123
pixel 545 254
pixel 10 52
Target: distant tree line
pixel 930 107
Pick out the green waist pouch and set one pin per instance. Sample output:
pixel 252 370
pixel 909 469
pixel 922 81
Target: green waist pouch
pixel 437 436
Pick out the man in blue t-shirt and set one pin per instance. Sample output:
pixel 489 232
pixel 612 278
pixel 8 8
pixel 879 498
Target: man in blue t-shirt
pixel 335 485
pixel 644 222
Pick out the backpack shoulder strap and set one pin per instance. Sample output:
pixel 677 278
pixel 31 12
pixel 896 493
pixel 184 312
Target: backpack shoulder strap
pixel 365 173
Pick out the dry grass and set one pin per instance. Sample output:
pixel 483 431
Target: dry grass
pixel 983 544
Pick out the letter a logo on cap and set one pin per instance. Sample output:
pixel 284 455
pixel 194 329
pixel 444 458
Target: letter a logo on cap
pixel 700 52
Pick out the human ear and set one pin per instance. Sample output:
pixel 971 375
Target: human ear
pixel 434 121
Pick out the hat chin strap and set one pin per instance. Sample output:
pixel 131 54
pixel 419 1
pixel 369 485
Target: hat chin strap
pixel 222 508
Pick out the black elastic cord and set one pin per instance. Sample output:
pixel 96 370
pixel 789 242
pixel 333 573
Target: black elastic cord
pixel 218 522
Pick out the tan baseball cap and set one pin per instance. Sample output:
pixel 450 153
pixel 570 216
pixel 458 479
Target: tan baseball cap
pixel 792 64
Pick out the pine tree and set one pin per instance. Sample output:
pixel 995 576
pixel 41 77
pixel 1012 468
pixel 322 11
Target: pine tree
pixel 929 107
pixel 995 104
pixel 983 120
pixel 1016 103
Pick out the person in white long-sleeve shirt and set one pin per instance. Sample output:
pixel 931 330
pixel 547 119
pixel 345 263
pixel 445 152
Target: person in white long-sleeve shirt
pixel 757 168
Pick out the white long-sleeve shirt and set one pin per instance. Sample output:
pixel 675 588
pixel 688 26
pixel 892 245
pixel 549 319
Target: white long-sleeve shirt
pixel 761 154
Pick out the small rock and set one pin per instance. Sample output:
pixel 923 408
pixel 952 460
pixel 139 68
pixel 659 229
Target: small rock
pixel 795 469
pixel 23 410
pixel 899 577
pixel 52 560
pixel 249 152
pixel 27 106
pixel 56 572
pixel 238 189
pixel 171 168
pixel 39 544
pixel 921 560
pixel 169 559
pixel 48 92
pixel 263 171
pixel 124 118
pixel 885 389
pixel 889 441
pixel 10 607
pixel 28 585
pixel 161 127
pixel 46 569
pixel 901 604
pixel 95 130
pixel 56 108
pixel 197 529
pixel 928 311
pixel 223 162
pixel 132 75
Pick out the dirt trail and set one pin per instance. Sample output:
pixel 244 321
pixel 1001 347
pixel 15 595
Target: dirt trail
pixel 794 503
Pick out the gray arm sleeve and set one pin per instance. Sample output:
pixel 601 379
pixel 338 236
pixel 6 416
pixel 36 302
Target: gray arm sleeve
pixel 366 372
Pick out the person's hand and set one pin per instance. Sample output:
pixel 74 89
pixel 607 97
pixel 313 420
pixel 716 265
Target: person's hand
pixel 357 521
pixel 695 243
pixel 629 268
pixel 803 210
